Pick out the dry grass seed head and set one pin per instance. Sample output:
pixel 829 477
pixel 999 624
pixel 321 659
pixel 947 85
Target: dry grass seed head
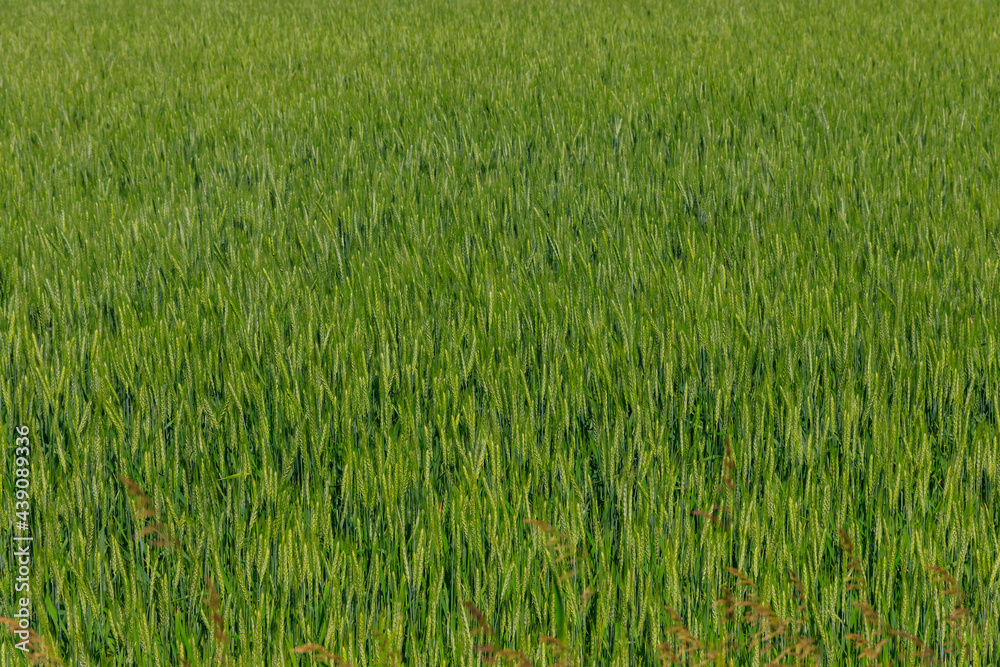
pixel 958 618
pixel 38 648
pixel 517 657
pixel 560 649
pixel 714 519
pixel 481 627
pixel 146 510
pixel 215 608
pixel 855 572
pixel 322 653
pixel 688 641
pixel 490 654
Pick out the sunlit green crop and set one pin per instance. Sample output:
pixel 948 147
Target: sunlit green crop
pixel 388 307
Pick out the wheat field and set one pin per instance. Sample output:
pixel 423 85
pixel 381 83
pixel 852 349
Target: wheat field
pixel 481 332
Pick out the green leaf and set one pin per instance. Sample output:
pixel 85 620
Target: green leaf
pixel 53 614
pixel 182 634
pixel 560 615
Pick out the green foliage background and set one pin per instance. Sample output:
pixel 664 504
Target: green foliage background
pixel 409 273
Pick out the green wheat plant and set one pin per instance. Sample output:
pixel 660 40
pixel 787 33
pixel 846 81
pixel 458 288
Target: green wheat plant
pixel 331 319
pixel 146 510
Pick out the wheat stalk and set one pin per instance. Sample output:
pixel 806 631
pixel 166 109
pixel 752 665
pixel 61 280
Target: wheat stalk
pixel 146 510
